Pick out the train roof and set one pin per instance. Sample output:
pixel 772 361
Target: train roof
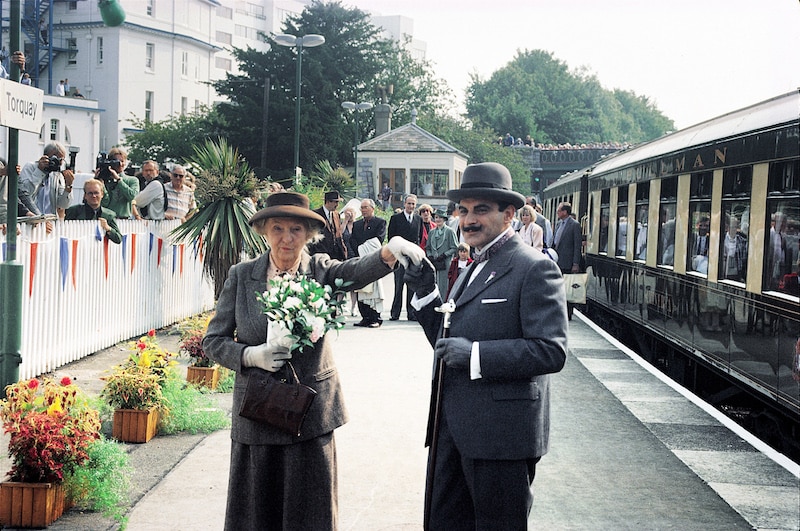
pixel 779 110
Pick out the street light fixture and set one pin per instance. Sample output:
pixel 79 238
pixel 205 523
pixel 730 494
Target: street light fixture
pixel 350 106
pixel 306 41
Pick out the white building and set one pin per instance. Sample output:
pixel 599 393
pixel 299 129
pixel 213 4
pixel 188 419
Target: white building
pixel 156 64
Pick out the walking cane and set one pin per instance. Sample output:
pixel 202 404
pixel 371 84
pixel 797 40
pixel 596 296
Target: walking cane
pixel 446 308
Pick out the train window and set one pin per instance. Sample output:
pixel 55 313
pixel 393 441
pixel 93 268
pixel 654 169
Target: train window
pixel 701 185
pixel 733 245
pixel 605 210
pixel 784 177
pixel 699 223
pixel 737 182
pixel 642 211
pixel 780 271
pixel 622 221
pixel 666 229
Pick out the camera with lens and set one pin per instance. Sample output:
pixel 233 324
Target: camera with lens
pixel 104 163
pixel 53 164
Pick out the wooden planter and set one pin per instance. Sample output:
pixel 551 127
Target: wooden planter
pixel 30 504
pixel 135 425
pixel 205 376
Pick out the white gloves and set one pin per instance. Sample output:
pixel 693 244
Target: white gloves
pixel 405 251
pixel 265 356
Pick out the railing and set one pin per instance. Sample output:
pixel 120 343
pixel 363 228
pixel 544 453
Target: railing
pixel 83 293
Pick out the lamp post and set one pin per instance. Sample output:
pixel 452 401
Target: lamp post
pixel 350 106
pixel 306 41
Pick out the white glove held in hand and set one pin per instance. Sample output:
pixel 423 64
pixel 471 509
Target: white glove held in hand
pixel 405 251
pixel 265 356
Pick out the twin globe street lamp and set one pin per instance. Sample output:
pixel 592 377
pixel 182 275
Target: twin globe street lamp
pixel 350 106
pixel 306 41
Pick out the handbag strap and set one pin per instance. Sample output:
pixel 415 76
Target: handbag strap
pixel 291 368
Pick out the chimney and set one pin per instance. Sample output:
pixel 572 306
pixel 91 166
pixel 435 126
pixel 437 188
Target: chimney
pixel 383 118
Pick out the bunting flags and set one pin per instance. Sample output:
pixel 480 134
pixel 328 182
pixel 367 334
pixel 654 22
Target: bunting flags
pixel 63 256
pixel 32 272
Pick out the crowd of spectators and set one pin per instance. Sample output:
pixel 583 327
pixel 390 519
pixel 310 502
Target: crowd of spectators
pixel 510 141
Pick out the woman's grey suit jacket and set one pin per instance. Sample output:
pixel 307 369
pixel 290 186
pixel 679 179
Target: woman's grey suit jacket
pixel 239 315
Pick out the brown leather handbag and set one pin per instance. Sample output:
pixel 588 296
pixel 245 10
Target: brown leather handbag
pixel 280 402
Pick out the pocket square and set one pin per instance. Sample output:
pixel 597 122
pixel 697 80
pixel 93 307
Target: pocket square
pixel 493 301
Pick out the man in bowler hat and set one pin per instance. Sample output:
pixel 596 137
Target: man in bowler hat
pixel 496 359
pixel 331 243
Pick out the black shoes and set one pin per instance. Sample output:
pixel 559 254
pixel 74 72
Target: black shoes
pixel 376 324
pixel 362 322
pixel 367 324
pixel 394 318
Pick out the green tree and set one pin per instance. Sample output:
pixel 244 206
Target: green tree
pixel 537 94
pixel 172 139
pixel 353 60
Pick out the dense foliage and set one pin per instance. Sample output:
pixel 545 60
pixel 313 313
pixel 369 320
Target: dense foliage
pixel 537 95
pixel 173 139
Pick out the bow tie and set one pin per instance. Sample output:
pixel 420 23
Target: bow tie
pixel 491 251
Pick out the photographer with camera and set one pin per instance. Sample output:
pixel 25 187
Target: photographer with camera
pixel 120 188
pixel 47 183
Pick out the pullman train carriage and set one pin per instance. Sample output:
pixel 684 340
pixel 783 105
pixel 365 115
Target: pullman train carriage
pixel 692 245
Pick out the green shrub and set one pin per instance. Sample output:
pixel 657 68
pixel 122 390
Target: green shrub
pixel 102 484
pixel 191 409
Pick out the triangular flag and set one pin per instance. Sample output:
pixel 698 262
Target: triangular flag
pixel 74 263
pixel 124 250
pixel 183 247
pixel 105 255
pixel 133 251
pixel 64 259
pixel 34 252
pixel 160 246
pixel 174 258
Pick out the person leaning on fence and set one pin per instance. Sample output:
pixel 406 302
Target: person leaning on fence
pixel 279 481
pixel 46 182
pixel 491 388
pixel 93 191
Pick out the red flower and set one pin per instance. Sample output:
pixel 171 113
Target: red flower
pixel 66 381
pixel 151 333
pixel 33 383
pixel 141 345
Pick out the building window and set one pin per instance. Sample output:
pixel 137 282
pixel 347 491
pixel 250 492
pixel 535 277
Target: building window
pixel 149 56
pixel 223 63
pixel 148 106
pixel 224 37
pixel 53 129
pixel 72 55
pixel 184 64
pixel 429 182
pixel 184 105
pixel 99 50
pixel 151 8
pixel 224 12
pixel 73 6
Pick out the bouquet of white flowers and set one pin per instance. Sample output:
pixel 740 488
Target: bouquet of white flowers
pixel 301 310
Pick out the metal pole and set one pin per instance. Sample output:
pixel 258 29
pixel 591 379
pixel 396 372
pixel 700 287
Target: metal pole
pixel 297 106
pixel 11 272
pixel 355 156
pixel 264 124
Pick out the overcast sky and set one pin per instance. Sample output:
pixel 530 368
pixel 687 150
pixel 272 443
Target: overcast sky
pixel 695 59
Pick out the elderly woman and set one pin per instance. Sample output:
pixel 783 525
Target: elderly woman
pixel 441 249
pixel 279 481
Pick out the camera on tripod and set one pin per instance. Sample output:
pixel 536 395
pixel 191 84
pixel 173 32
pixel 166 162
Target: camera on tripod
pixel 104 164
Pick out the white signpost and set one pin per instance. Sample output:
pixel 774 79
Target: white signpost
pixel 21 106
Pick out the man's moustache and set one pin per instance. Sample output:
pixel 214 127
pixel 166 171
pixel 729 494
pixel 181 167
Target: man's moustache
pixel 472 228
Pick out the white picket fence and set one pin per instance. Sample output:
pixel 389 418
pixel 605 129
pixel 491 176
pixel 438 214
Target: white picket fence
pixel 83 293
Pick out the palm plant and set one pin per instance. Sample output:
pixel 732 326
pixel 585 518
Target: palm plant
pixel 225 184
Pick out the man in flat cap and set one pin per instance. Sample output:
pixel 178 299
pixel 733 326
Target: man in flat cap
pixel 331 242
pixel 489 417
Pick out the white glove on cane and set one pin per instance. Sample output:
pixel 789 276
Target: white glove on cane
pixel 405 251
pixel 265 356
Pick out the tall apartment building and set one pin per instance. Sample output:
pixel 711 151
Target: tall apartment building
pixel 156 64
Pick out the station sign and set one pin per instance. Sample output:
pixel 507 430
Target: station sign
pixel 21 106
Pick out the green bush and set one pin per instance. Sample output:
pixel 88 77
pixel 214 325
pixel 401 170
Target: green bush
pixel 191 409
pixel 102 484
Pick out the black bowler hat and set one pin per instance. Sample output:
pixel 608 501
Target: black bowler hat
pixel 333 196
pixel 287 205
pixel 488 180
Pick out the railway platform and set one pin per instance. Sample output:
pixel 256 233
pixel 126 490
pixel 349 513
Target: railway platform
pixel 627 450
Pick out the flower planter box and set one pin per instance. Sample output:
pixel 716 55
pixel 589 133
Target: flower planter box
pixel 135 425
pixel 205 376
pixel 30 504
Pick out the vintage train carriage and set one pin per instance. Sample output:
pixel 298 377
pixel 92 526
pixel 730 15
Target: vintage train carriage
pixel 693 238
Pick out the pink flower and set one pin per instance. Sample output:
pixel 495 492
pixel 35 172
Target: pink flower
pixel 66 381
pixel 33 383
pixel 151 333
pixel 141 345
